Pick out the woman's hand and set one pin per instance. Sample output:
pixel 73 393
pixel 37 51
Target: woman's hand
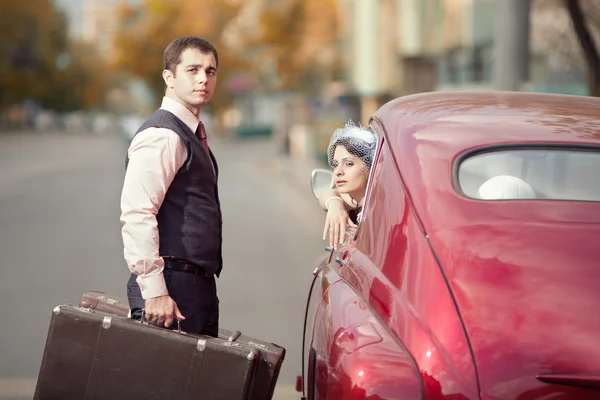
pixel 335 223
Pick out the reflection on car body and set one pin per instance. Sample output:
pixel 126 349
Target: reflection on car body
pixel 474 271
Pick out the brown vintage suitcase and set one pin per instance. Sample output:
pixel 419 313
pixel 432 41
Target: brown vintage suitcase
pixel 269 364
pixel 271 355
pixel 94 355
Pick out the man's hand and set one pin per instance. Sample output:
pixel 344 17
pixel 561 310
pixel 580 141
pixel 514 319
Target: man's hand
pixel 162 310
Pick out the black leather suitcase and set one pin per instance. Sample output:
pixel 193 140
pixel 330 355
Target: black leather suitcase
pixel 271 355
pixel 95 355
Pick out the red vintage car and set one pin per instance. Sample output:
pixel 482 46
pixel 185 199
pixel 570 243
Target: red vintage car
pixel 475 269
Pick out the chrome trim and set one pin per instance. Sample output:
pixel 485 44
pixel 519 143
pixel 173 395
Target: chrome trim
pixel 106 322
pixel 340 261
pixel 56 310
pixel 201 344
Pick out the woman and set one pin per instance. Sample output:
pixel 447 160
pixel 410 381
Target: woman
pixel 350 154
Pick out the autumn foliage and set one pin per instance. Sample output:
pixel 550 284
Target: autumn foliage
pixel 297 38
pixel 146 30
pixel 40 62
pixel 301 37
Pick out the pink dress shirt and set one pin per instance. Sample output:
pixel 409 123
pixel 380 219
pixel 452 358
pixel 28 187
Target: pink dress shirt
pixel 155 157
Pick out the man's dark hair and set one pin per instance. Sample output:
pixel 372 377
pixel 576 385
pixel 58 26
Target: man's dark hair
pixel 173 51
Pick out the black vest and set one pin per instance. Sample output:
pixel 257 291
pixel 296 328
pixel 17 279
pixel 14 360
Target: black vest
pixel 189 219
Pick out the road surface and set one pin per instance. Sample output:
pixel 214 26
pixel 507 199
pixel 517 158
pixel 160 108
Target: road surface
pixel 60 236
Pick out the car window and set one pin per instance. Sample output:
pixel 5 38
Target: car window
pixel 533 173
pixel 376 128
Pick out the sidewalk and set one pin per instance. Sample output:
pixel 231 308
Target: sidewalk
pixel 296 168
pixel 299 170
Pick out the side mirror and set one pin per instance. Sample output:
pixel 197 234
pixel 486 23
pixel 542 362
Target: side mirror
pixel 321 180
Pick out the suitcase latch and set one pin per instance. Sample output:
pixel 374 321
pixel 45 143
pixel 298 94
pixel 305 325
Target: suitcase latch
pixel 109 301
pixel 262 346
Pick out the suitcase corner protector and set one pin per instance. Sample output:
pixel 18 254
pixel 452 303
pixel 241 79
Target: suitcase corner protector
pixel 106 322
pixel 253 354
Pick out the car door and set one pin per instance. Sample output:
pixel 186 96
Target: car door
pixel 344 340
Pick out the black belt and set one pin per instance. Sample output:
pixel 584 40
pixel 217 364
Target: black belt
pixel 184 266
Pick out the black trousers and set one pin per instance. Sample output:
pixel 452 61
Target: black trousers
pixel 195 295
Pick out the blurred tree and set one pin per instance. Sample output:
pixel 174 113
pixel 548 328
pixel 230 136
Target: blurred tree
pixel 32 37
pixel 300 37
pixel 569 31
pixel 81 81
pixel 145 30
pixel 40 63
pixel 586 40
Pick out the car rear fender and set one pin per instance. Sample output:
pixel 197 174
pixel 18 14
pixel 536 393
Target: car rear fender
pixel 352 355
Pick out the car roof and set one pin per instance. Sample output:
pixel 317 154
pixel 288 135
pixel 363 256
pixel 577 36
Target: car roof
pixel 491 117
pixel 427 132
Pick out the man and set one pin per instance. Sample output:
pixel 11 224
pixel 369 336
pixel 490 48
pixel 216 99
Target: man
pixel 170 208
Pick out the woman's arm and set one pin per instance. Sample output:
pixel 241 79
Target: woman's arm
pixel 328 197
pixel 337 205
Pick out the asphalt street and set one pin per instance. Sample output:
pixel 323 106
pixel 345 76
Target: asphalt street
pixel 60 236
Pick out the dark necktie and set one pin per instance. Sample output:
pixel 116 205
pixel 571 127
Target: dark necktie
pixel 201 133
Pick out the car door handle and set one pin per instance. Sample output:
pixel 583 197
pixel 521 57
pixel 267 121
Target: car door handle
pixel 340 261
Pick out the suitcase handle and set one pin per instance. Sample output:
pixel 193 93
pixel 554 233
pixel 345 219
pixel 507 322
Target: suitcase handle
pixel 143 318
pixel 234 336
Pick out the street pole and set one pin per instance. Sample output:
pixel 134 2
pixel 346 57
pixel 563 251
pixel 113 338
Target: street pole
pixel 511 47
pixel 366 55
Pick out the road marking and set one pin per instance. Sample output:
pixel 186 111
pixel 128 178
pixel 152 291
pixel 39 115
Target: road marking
pixel 17 387
pixel 25 388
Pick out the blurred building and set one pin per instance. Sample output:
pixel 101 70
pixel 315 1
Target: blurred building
pixel 465 58
pixel 100 24
pixel 426 30
pixel 400 47
pixel 393 48
pixel 446 44
pixel 368 41
pixel 94 21
pixel 482 45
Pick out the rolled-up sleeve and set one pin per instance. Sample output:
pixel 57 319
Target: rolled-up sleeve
pixel 155 157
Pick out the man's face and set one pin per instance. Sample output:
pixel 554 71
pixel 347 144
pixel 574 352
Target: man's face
pixel 195 78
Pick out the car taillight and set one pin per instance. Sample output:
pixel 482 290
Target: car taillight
pixel 299 383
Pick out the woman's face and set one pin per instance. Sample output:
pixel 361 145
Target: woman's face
pixel 350 173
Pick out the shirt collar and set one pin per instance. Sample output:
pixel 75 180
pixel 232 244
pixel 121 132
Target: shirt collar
pixel 185 115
